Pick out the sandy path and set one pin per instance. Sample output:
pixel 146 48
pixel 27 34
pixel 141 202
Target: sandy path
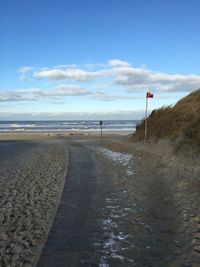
pixel 71 239
pixel 119 209
pixel 123 205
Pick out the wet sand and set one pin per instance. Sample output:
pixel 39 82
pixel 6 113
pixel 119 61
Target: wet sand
pixel 68 134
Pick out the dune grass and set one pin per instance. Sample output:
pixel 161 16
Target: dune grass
pixel 179 123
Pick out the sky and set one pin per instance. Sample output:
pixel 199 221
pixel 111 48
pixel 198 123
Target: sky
pixel 96 59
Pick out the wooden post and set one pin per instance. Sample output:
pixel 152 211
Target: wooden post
pixel 145 130
pixel 101 124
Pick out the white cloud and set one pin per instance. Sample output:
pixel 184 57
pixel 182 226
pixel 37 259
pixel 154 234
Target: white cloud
pixel 124 75
pixel 118 63
pixel 65 74
pixel 24 71
pixel 65 66
pixel 115 74
pixel 158 82
pixel 15 97
pixel 103 96
pixel 34 94
pixel 28 91
pixel 69 90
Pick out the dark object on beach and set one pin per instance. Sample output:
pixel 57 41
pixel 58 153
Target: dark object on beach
pixel 101 124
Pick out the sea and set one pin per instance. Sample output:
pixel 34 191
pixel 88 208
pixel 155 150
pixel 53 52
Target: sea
pixel 68 125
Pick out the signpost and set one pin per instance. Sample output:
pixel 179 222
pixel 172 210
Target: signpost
pixel 101 125
pixel 148 95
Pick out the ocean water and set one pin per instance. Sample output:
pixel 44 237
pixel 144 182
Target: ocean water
pixel 77 125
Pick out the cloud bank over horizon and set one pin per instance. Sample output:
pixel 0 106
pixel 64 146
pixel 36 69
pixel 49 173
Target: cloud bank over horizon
pixel 83 87
pixel 94 115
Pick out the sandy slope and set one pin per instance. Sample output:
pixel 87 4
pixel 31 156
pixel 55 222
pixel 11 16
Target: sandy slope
pixel 165 226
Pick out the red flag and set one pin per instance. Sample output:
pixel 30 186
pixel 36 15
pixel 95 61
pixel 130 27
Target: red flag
pixel 149 95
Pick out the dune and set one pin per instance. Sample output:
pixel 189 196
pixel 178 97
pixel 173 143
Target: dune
pixel 178 124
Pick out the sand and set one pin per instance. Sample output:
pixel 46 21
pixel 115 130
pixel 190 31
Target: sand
pixel 165 226
pixel 31 180
pixel 46 135
pixel 155 190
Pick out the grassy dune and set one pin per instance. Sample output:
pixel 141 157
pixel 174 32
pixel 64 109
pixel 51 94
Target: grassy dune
pixel 179 124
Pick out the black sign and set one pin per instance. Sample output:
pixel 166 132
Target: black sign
pixel 101 122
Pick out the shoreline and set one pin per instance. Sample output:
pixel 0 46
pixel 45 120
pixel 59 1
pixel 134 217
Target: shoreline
pixel 29 135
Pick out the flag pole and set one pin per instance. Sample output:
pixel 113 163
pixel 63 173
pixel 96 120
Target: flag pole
pixel 145 130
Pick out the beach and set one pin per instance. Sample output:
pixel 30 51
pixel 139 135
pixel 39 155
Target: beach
pixel 32 176
pixel 140 202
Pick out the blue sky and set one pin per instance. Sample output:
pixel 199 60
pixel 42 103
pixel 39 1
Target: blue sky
pixel 96 58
